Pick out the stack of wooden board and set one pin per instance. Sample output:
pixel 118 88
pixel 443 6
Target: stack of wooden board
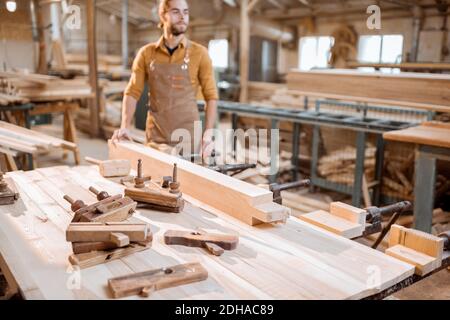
pixel 292 261
pixel 6 99
pixel 15 139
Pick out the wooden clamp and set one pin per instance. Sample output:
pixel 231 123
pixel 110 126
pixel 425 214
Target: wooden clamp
pixel 110 209
pixel 214 243
pixel 415 247
pixel 112 168
pixel 7 196
pixel 144 283
pixel 164 197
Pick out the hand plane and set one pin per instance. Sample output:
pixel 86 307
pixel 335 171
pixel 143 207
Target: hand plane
pixel 214 243
pixel 7 196
pixel 108 209
pixel 165 196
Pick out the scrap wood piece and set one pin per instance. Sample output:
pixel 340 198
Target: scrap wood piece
pixel 93 258
pixel 332 223
pixel 93 232
pixel 144 283
pixel 418 248
pixel 215 243
pixel 246 202
pixel 112 168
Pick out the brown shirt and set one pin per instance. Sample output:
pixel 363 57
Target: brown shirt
pixel 200 67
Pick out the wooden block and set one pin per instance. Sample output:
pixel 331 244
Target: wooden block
pixel 93 232
pixel 421 242
pixel 144 283
pixel 120 239
pixel 348 212
pixel 333 223
pixel 93 258
pixel 239 199
pixel 112 168
pixel 424 264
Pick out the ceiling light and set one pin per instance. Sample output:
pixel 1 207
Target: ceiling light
pixel 11 6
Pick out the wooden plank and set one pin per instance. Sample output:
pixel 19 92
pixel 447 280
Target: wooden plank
pixel 244 201
pixel 332 223
pixel 404 87
pixel 433 135
pixel 424 264
pixel 326 266
pixel 348 212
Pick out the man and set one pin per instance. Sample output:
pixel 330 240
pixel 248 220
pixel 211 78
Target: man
pixel 174 68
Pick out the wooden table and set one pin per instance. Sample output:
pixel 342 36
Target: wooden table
pixel 433 142
pixel 291 261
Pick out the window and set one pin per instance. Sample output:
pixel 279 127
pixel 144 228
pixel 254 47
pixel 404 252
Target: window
pixel 218 51
pixel 314 52
pixel 380 49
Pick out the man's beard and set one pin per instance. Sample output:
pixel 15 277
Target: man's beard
pixel 177 30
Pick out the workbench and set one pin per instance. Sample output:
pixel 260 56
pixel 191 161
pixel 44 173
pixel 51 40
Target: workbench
pixel 432 140
pixel 295 260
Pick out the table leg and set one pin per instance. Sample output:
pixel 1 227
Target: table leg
pixel 295 150
pixel 274 151
pixel 379 169
pixel 359 169
pixel 425 172
pixel 70 133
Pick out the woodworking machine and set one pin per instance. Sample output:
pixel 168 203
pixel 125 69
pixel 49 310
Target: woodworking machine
pixel 7 196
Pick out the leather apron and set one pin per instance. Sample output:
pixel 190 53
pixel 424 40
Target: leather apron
pixel 173 103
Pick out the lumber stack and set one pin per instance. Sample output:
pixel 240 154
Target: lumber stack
pixel 37 88
pixel 18 139
pixel 339 166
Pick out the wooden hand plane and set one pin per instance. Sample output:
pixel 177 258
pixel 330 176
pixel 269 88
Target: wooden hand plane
pixel 214 243
pixel 165 196
pixel 108 209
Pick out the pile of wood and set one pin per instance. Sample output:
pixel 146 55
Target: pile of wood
pixel 15 139
pixel 36 87
pixel 6 100
pixel 398 176
pixel 339 166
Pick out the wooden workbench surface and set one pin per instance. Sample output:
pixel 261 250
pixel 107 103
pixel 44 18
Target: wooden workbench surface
pixel 291 261
pixel 436 134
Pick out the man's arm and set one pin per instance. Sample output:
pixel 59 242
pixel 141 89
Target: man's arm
pixel 130 97
pixel 209 89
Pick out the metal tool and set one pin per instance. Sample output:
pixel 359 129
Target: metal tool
pixel 7 196
pixel 446 237
pixel 214 243
pixel 109 209
pixel 164 196
pixel 277 188
pixel 374 216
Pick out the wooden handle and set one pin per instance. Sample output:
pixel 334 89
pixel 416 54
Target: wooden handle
pixel 92 160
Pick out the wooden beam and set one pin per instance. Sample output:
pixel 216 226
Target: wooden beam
pixel 246 202
pixel 42 64
pixel 93 67
pixel 125 34
pixel 244 50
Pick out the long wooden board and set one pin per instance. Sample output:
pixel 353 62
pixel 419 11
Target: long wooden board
pixel 432 134
pixel 430 89
pixel 244 201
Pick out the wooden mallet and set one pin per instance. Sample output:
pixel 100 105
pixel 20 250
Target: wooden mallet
pixel 112 168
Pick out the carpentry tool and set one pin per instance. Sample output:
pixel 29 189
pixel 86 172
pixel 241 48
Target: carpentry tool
pixel 446 237
pixel 163 197
pixel 277 188
pixel 94 243
pixel 7 196
pixel 144 283
pixel 228 168
pixel 112 168
pixel 374 215
pixel 109 209
pixel 214 243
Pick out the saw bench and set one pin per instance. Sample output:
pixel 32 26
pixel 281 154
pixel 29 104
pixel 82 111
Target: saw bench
pixel 165 196
pixel 34 250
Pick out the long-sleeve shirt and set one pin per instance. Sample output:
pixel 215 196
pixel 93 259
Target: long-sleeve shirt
pixel 200 67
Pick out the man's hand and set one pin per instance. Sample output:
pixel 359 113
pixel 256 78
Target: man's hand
pixel 121 135
pixel 207 145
